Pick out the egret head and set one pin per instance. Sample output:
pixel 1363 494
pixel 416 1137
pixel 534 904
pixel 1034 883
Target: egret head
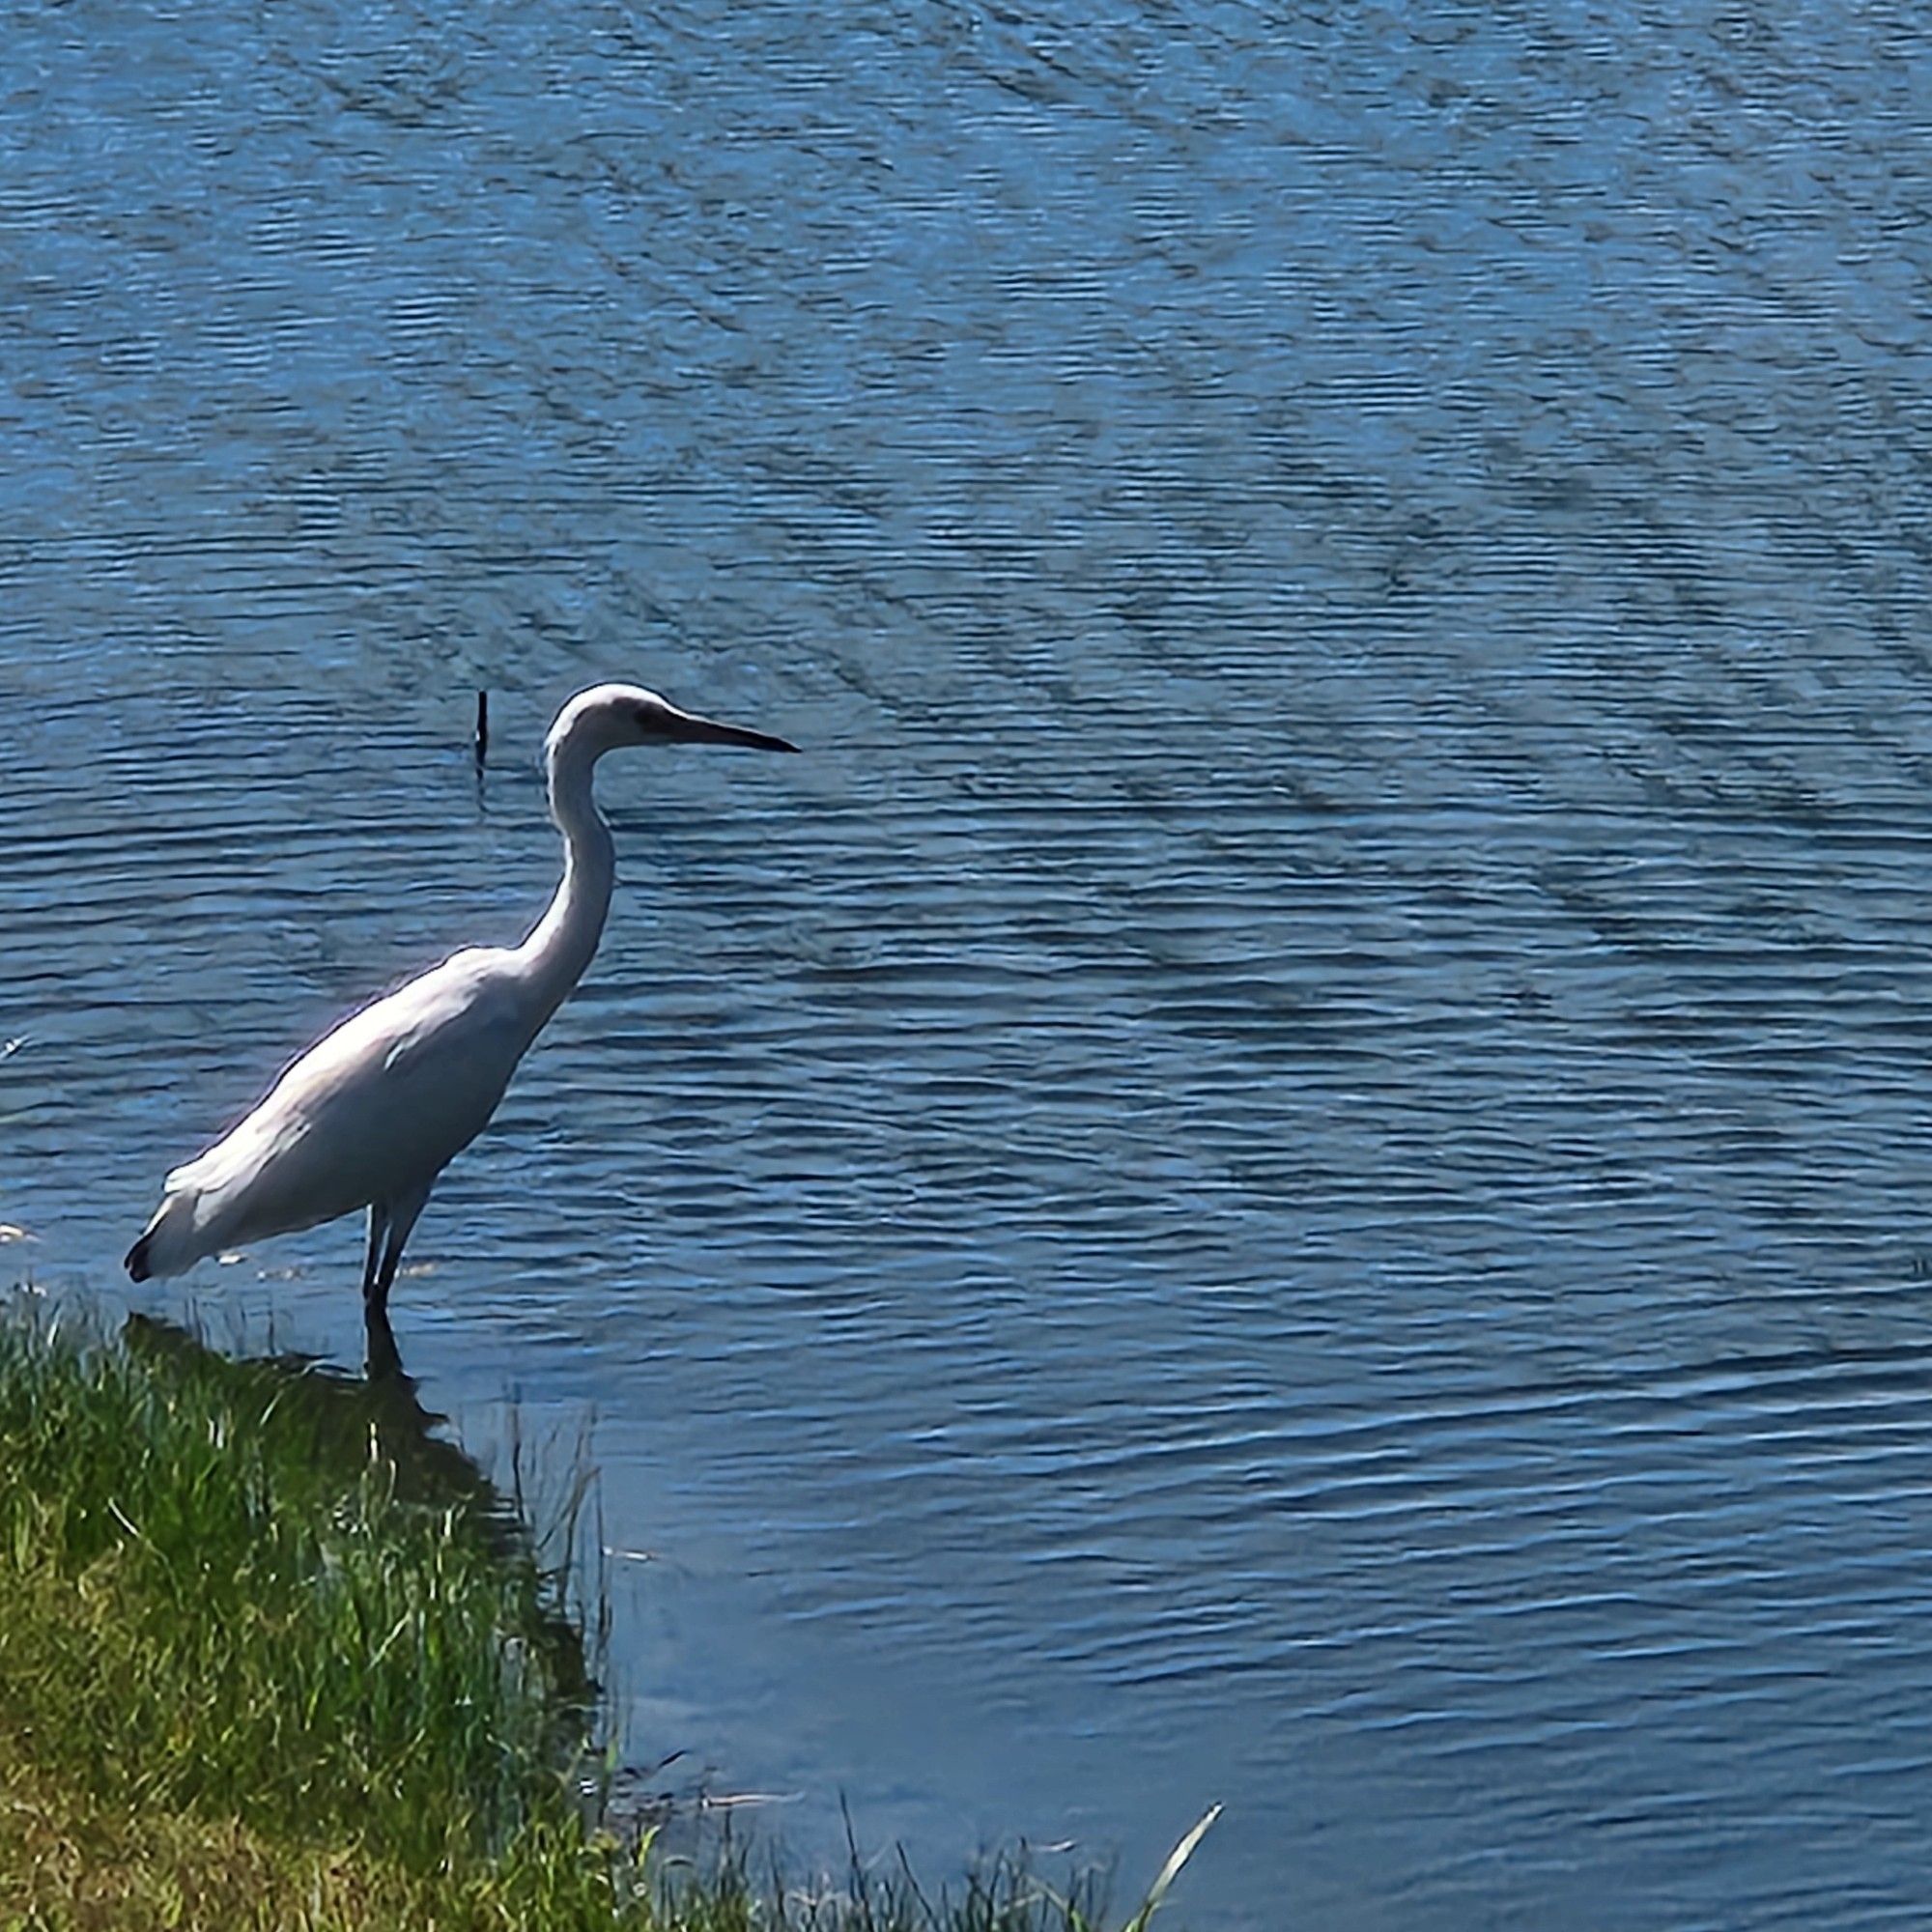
pixel 609 715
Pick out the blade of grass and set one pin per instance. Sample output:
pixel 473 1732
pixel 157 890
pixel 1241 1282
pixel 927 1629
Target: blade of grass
pixel 1170 1871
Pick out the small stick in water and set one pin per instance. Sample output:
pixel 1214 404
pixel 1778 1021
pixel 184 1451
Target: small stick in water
pixel 482 725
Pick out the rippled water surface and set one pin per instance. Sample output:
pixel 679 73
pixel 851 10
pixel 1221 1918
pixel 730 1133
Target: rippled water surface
pixel 1291 1166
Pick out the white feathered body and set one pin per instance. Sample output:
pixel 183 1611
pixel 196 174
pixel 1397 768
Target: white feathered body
pixel 374 1111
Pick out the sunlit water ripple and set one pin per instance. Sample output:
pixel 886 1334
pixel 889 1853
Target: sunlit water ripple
pixel 1289 1168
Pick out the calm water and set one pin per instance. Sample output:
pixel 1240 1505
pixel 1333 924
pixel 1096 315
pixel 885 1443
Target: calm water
pixel 1293 1167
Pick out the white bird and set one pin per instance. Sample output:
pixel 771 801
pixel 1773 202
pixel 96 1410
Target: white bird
pixel 371 1115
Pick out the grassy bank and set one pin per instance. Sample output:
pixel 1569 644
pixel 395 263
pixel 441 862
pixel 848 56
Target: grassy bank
pixel 265 1659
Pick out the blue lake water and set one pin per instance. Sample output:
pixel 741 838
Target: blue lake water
pixel 1292 1167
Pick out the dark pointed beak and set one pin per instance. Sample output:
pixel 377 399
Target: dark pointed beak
pixel 688 728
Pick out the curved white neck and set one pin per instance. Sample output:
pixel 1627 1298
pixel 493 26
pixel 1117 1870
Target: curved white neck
pixel 561 943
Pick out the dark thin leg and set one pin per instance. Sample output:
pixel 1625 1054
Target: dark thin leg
pixel 380 1362
pixel 380 1271
pixel 379 1232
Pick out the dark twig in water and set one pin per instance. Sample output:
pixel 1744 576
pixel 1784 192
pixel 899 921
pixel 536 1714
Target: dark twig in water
pixel 482 725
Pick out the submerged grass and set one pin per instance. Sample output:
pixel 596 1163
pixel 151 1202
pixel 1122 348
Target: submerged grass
pixel 260 1667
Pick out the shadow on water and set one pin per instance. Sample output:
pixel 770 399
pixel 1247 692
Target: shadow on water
pixel 352 1417
pixel 348 1421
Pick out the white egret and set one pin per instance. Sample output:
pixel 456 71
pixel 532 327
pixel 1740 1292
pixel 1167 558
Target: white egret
pixel 371 1115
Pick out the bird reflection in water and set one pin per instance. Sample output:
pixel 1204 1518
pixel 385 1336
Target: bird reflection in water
pixel 350 1417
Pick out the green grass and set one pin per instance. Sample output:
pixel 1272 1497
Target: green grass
pixel 272 1654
